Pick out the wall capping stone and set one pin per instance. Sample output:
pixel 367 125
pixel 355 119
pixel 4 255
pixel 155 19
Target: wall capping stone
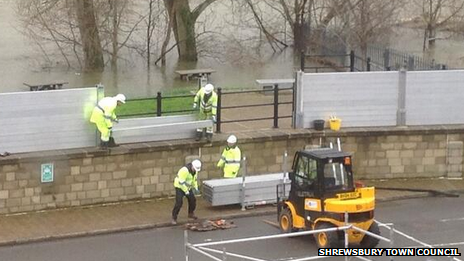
pixel 219 139
pixel 147 170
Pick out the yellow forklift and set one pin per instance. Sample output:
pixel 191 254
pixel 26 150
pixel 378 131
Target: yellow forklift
pixel 322 190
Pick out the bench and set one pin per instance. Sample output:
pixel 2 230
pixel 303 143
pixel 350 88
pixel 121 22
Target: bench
pixel 268 84
pixel 45 86
pixel 197 73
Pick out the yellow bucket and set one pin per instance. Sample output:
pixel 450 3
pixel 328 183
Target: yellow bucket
pixel 335 124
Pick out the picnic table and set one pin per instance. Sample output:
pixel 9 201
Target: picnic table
pixel 45 86
pixel 197 73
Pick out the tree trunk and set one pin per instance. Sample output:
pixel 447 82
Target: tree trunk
pixel 185 31
pixel 298 37
pixel 114 36
pixel 150 25
pixel 183 26
pixel 93 54
pixel 432 34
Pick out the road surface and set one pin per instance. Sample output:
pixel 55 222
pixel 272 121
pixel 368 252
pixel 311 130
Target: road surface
pixel 420 222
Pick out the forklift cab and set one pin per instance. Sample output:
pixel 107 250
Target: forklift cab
pixel 321 173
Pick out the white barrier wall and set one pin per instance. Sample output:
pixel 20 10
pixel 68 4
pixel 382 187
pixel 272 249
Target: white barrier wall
pixel 359 99
pixel 158 128
pixel 372 99
pixel 59 119
pixel 435 97
pixel 47 120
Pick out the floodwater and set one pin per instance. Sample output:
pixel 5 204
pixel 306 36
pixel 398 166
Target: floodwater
pixel 22 62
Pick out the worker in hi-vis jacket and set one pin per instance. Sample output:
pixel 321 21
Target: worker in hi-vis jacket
pixel 103 116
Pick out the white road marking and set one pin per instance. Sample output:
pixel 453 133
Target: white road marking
pixel 416 240
pixel 443 245
pixel 452 219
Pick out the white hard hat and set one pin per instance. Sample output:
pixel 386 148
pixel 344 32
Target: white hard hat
pixel 120 98
pixel 232 139
pixel 209 88
pixel 196 165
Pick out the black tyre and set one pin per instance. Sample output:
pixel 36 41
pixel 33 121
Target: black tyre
pixel 327 239
pixel 368 241
pixel 286 221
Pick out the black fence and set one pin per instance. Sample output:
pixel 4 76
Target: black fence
pixel 378 60
pixel 391 59
pixel 275 104
pixel 154 106
pixel 376 57
pixel 335 62
pixel 157 103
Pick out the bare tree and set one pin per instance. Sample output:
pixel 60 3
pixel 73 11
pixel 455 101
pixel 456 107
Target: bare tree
pixel 308 19
pixel 438 15
pixel 183 25
pixel 90 38
pixel 371 21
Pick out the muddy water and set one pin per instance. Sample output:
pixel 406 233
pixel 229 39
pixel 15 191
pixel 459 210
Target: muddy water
pixel 22 62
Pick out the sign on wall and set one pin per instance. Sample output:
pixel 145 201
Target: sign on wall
pixel 46 172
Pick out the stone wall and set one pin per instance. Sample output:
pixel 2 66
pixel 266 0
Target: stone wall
pixel 83 177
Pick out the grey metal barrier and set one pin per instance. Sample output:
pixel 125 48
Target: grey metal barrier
pixel 248 191
pixel 158 128
pixel 374 99
pixel 47 120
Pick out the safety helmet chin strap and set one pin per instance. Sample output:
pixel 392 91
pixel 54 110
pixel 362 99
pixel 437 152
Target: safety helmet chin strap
pixel 191 169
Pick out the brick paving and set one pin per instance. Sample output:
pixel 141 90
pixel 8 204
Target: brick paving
pixel 144 214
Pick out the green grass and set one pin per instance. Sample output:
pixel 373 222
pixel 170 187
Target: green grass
pixel 147 107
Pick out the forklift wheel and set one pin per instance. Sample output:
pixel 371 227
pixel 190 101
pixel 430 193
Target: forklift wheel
pixel 286 221
pixel 326 239
pixel 368 241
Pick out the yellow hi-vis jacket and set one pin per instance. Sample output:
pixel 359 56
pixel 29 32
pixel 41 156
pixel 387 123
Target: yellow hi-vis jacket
pixel 230 161
pixel 104 111
pixel 185 180
pixel 210 105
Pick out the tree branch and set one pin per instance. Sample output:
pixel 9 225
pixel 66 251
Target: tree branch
pixel 200 8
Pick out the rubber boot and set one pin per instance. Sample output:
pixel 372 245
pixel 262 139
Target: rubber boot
pixel 198 135
pixel 104 145
pixel 209 137
pixel 112 143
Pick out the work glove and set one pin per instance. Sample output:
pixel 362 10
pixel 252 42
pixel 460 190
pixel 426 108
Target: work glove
pixel 214 118
pixel 187 193
pixel 116 120
pixel 194 105
pixel 196 191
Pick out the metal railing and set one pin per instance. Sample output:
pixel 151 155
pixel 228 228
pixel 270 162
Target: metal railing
pixel 330 62
pixel 158 103
pixel 391 59
pixel 205 248
pixel 377 59
pixel 275 105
